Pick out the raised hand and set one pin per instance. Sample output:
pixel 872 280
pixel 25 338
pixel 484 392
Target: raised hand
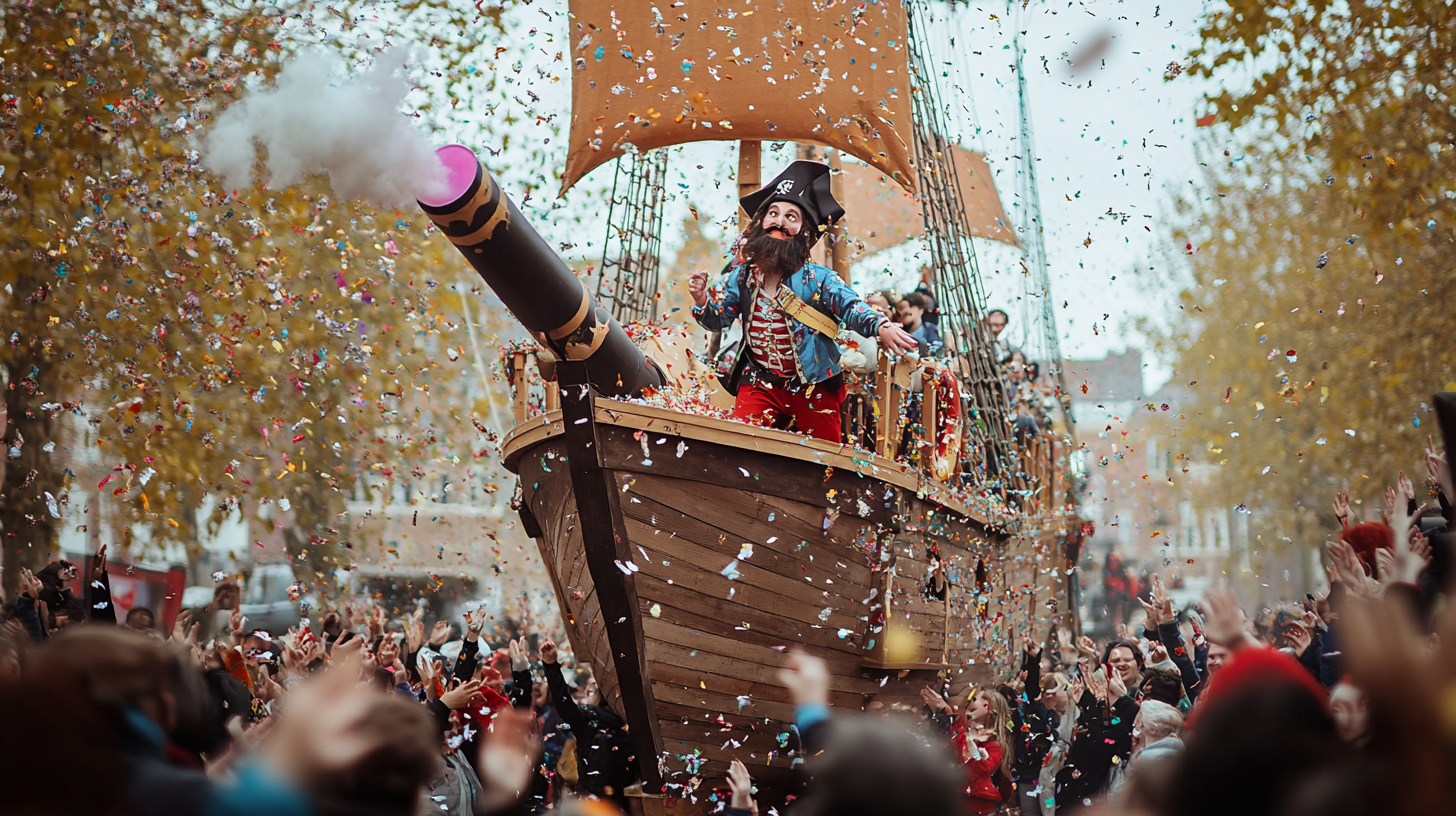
pixel 180 627
pixel 1096 683
pixel 1384 566
pixel 347 648
pixel 433 673
pixel 1086 648
pixel 1388 513
pixel 1438 469
pixel 698 288
pixel 1150 619
pixel 100 564
pixel 1162 600
pixel 389 654
pixel 29 584
pixel 1345 567
pixel 1299 637
pixel 1342 508
pixel 806 677
pixel 520 657
pixel 1159 652
pixel 414 633
pixel 741 785
pixel 474 623
pixel 1224 621
pixel 1409 556
pixel 462 695
pixel 546 650
pixel 933 700
pixel 1196 621
pixel 1407 490
pixel 1115 686
pixel 440 633
pixel 236 621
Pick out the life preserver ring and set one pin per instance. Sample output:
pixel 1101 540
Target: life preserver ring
pixel 945 454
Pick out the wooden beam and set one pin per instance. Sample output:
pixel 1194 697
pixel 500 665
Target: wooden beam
pixel 837 238
pixel 520 386
pixel 887 424
pixel 750 175
pixel 604 538
pixel 930 434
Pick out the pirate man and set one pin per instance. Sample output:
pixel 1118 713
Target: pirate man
pixel 787 370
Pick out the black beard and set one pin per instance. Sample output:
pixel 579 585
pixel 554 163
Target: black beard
pixel 770 253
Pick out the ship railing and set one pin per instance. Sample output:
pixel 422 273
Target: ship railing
pixel 910 411
pixel 907 410
pixel 531 371
pixel 916 412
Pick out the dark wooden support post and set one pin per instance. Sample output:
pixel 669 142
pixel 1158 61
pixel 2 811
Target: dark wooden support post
pixel 604 537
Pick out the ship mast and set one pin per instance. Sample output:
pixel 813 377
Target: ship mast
pixel 1039 323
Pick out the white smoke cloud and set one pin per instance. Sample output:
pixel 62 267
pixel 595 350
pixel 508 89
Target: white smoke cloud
pixel 316 120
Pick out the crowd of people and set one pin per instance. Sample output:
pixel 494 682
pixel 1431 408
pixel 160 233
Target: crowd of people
pixel 1340 703
pixel 367 715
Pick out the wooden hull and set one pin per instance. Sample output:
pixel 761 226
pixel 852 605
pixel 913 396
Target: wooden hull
pixel 688 553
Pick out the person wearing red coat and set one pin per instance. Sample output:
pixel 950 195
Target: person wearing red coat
pixel 982 739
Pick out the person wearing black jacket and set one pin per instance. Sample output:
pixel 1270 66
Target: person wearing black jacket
pixel 605 760
pixel 1103 733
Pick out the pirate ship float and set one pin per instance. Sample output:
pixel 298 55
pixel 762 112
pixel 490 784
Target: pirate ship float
pixel 688 551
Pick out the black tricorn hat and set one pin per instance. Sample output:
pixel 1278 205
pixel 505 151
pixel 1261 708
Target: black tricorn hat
pixel 806 184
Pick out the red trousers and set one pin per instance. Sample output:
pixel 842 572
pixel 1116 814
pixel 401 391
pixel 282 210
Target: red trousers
pixel 815 413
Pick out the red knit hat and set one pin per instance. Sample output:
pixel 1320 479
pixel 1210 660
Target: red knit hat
pixel 1251 667
pixel 1366 538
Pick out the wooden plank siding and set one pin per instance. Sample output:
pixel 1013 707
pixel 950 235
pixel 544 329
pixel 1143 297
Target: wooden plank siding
pixel 830 531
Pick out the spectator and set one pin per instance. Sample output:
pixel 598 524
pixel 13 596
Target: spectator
pixel 982 741
pixel 140 618
pixel 996 321
pixel 912 317
pixel 1124 657
pixel 1352 718
pixel 864 766
pixel 605 762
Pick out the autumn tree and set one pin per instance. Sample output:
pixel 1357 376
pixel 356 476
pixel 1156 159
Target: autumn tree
pixel 211 347
pixel 1320 261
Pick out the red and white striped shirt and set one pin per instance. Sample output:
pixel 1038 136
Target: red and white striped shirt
pixel 770 343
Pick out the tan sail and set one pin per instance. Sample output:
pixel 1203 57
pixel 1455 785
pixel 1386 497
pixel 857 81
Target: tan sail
pixel 780 70
pixel 881 215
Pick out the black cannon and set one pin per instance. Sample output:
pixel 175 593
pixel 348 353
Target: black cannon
pixel 532 280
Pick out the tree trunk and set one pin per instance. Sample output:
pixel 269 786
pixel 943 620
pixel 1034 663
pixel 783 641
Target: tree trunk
pixel 312 543
pixel 26 524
